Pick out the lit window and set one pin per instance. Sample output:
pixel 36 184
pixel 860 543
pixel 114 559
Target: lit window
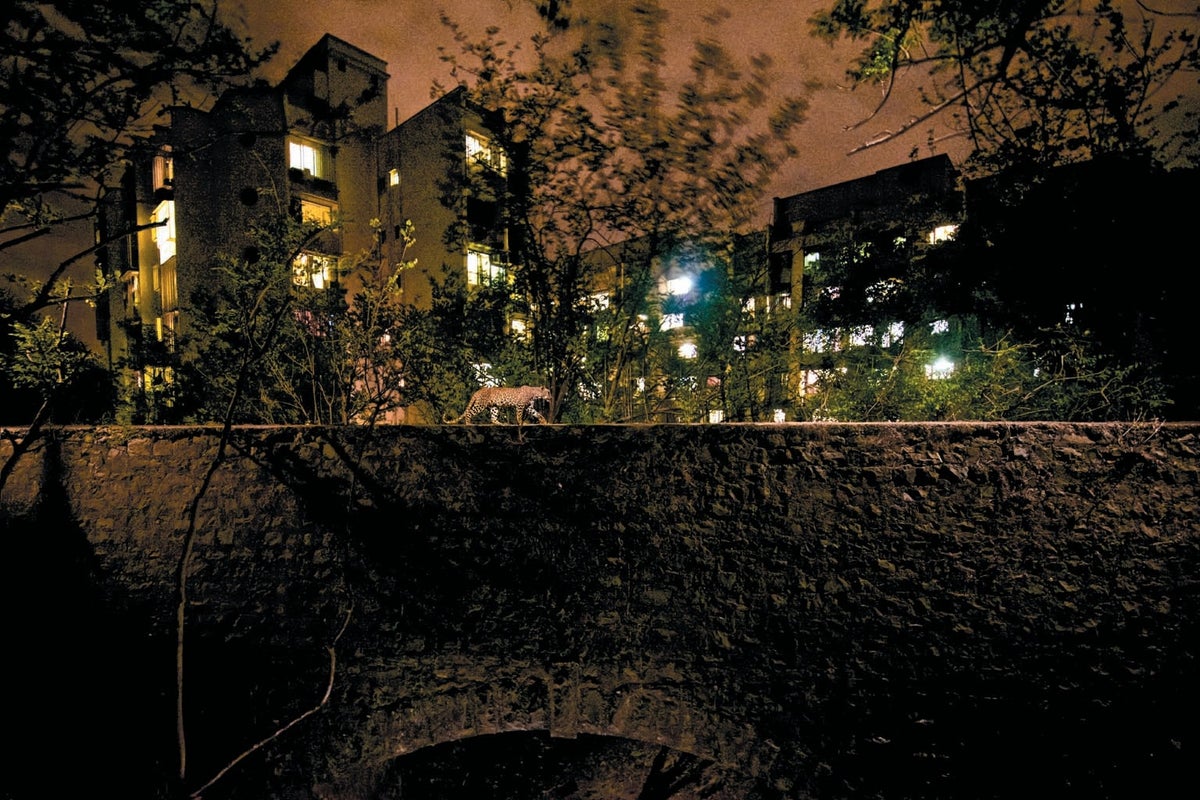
pixel 306 158
pixel 940 326
pixel 640 385
pixel 599 301
pixel 164 171
pixel 943 233
pixel 484 270
pixel 157 379
pixel 314 270
pixel 483 152
pixel 168 288
pixel 861 335
pixel 781 301
pixel 131 290
pixel 831 292
pixel 688 350
pixel 393 177
pixel 822 341
pixel 164 234
pixel 893 335
pixel 779 416
pixel 680 285
pixel 818 341
pixel 671 322
pixel 883 290
pixel 716 415
pixel 812 259
pixel 743 343
pixel 316 213
pixel 518 329
pixel 748 306
pixel 1069 317
pixel 940 369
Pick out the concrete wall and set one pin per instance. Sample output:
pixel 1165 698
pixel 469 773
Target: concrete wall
pixel 818 610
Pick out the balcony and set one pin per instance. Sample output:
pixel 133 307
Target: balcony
pixel 307 181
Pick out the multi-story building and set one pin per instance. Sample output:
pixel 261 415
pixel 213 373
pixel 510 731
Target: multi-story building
pixel 306 146
pixel 315 146
pixel 445 171
pixel 918 202
pixel 843 254
pixel 859 236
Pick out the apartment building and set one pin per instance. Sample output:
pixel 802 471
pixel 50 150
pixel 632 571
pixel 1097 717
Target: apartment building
pixel 315 146
pixel 919 202
pixel 445 171
pixel 856 237
pixel 306 146
pixel 851 246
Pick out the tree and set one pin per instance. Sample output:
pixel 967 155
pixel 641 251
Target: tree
pixel 993 378
pixel 904 329
pixel 43 366
pixel 611 168
pixel 81 81
pixel 41 363
pixel 1033 81
pixel 1081 117
pixel 281 353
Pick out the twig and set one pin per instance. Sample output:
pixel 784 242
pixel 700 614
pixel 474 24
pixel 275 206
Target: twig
pixel 332 650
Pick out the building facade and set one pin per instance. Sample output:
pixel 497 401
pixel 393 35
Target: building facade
pixel 316 147
pixel 843 258
pixel 736 328
pixel 444 170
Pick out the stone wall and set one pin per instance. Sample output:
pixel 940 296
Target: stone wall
pixel 818 610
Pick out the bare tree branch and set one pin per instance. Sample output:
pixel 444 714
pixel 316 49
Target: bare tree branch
pixel 332 650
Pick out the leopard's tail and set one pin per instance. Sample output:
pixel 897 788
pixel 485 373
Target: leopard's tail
pixel 454 420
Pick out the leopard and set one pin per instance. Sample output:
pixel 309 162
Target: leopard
pixel 520 399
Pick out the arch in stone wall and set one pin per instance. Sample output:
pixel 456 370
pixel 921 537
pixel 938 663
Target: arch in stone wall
pixel 566 701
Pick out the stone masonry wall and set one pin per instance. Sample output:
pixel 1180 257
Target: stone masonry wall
pixel 817 609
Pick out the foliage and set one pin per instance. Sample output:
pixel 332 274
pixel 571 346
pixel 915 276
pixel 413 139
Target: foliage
pixel 375 340
pixel 995 379
pixel 237 320
pixel 610 168
pixel 44 365
pixel 80 81
pixel 1049 81
pixel 982 326
pixel 285 353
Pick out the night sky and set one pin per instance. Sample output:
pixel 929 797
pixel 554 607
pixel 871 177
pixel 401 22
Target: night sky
pixel 407 36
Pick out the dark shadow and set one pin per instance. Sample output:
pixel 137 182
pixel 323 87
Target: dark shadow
pixel 89 710
pixel 521 765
